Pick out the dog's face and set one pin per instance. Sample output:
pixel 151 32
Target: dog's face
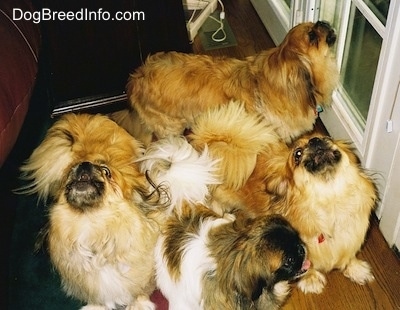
pixel 281 245
pixel 86 185
pixel 84 159
pixel 97 220
pixel 274 253
pixel 309 37
pixel 320 157
pixel 284 240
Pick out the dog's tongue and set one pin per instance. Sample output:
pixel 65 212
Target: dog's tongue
pixel 306 265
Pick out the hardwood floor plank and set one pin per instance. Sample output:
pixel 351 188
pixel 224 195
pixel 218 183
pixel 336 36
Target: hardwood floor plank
pixel 250 33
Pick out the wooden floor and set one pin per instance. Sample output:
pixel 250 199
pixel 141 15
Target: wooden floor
pixel 340 293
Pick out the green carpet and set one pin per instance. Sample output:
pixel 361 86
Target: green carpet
pixel 207 30
pixel 33 282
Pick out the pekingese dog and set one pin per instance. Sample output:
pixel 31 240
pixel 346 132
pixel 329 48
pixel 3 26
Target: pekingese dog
pixel 284 85
pixel 100 236
pixel 316 183
pixel 205 261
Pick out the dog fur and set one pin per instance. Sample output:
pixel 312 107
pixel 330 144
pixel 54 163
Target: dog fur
pixel 318 185
pixel 205 261
pixel 284 85
pixel 180 173
pixel 101 236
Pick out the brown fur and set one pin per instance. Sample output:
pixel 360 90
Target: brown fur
pixel 283 84
pixel 238 140
pixel 249 255
pixel 330 208
pixel 102 248
pixel 317 183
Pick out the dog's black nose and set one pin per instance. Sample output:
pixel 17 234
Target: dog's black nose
pixel 331 36
pixel 315 142
pixel 323 24
pixel 84 171
pixel 84 187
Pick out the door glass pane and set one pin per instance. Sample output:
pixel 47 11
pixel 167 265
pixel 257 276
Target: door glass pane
pixel 363 45
pixel 380 8
pixel 332 12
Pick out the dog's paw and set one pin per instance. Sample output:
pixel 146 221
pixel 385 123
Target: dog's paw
pixel 358 271
pixel 229 217
pixel 142 303
pixel 312 282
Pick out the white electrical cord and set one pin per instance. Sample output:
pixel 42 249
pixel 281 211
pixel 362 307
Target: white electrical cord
pixel 220 21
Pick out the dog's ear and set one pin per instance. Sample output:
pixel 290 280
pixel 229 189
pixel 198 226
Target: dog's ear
pixel 307 89
pixel 45 168
pixel 277 186
pixel 278 177
pixel 298 87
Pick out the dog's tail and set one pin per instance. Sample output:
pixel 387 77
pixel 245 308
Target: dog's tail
pixel 183 174
pixel 235 137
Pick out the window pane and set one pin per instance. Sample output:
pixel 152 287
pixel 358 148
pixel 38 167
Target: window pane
pixel 332 12
pixel 380 8
pixel 360 62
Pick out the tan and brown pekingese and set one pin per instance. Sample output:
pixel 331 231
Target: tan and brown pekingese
pixel 316 183
pixel 100 237
pixel 284 84
pixel 205 261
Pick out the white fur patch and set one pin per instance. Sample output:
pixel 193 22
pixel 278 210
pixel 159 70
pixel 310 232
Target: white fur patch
pixel 185 292
pixel 174 163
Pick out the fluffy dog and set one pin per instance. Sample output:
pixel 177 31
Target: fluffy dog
pixel 205 261
pixel 100 237
pixel 284 84
pixel 318 185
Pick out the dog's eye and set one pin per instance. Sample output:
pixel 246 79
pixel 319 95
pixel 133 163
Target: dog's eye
pixel 298 153
pixel 106 171
pixel 313 36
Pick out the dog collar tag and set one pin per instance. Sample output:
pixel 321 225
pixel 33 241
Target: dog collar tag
pixel 321 238
pixel 318 109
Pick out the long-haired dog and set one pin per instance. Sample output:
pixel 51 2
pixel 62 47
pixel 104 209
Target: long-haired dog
pixel 100 236
pixel 284 84
pixel 318 185
pixel 205 261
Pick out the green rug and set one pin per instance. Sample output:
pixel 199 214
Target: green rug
pixel 33 283
pixel 210 27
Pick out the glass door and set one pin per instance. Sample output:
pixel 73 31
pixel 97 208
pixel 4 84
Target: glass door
pixel 361 26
